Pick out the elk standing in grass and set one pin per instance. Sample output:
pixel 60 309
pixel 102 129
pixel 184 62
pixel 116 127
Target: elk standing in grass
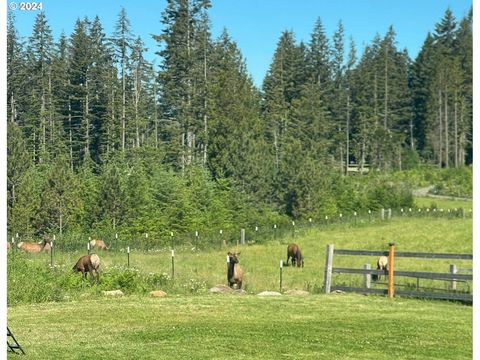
pixel 294 252
pixel 35 247
pixel 88 263
pixel 234 272
pixel 98 244
pixel 382 264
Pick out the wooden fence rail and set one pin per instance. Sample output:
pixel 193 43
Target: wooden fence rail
pixel 453 276
pixel 405 254
pixel 415 274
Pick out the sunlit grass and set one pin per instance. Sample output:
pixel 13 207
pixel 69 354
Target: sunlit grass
pixel 440 203
pixel 336 326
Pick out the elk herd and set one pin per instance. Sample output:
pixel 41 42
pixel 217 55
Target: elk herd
pixel 90 263
pixel 87 264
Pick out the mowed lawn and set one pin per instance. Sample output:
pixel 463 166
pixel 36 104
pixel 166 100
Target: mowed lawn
pixel 221 326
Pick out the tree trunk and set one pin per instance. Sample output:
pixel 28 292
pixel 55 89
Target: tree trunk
pixel 347 154
pixel 455 132
pixel 182 143
pixel 446 128
pixel 124 102
pixel 411 135
pixel 70 135
pixel 87 123
pixel 12 107
pixel 137 100
pixel 155 113
pixel 277 150
pixel 60 220
pixel 44 127
pixel 461 145
pixel 205 124
pixel 51 109
pixel 440 131
pixel 375 99
pixel 385 104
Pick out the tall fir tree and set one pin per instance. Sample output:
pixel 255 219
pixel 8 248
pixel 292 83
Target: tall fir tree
pixel 99 88
pixel 122 40
pixel 80 82
pixel 40 111
pixel 236 148
pixel 178 76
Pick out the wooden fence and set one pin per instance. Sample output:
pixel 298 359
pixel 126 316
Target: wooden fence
pixel 452 277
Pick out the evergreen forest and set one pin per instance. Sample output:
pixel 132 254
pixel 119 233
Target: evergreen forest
pixel 102 139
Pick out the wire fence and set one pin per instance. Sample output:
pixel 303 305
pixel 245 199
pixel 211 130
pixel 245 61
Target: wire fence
pixel 220 238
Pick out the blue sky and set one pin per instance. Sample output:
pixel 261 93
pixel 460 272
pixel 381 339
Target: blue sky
pixel 256 25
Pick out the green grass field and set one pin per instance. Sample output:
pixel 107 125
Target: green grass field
pixel 443 203
pixel 192 324
pixel 336 326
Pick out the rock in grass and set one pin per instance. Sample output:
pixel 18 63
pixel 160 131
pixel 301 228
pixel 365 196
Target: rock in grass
pixel 269 293
pixel 297 292
pixel 220 289
pixel 158 293
pixel 239 292
pixel 113 293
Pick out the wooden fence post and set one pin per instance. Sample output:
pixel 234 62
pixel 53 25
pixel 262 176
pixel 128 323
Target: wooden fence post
pixel 328 269
pixel 242 236
pixel 382 214
pixel 51 252
pixel 391 259
pixel 228 267
pixel 453 270
pixel 281 274
pixel 173 265
pixel 368 277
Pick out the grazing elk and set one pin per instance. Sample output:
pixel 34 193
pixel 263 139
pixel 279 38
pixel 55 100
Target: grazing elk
pixel 235 272
pixel 294 252
pixel 88 263
pixel 98 244
pixel 35 247
pixel 382 264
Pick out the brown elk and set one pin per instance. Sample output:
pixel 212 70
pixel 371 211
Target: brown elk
pixel 294 252
pixel 35 247
pixel 8 246
pixel 98 244
pixel 234 272
pixel 88 264
pixel 382 264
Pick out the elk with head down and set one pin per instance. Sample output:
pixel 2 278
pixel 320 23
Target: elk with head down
pixel 43 245
pixel 294 253
pixel 382 264
pixel 98 244
pixel 234 272
pixel 88 264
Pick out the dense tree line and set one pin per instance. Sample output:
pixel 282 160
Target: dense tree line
pixel 100 137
